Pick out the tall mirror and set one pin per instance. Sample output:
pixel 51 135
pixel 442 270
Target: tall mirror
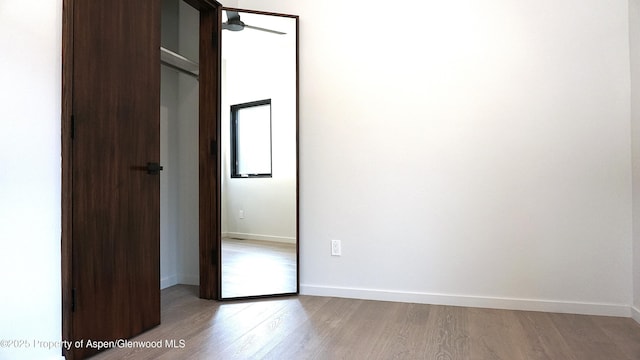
pixel 259 141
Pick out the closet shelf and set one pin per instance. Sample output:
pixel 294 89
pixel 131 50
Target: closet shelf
pixel 179 62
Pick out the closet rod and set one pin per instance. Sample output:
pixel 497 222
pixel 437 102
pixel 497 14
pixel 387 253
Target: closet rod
pixel 186 72
pixel 179 62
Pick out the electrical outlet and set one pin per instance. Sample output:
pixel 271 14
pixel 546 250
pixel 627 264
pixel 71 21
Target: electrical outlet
pixel 336 248
pixel 241 214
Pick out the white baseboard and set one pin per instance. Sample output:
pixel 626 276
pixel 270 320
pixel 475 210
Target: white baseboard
pixel 584 308
pixel 168 281
pixel 189 280
pixel 281 239
pixel 635 314
pixel 179 279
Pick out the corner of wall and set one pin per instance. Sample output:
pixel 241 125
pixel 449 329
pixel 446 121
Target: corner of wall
pixel 635 313
pixel 634 54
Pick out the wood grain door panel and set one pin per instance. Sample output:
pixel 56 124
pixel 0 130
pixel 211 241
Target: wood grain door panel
pixel 116 207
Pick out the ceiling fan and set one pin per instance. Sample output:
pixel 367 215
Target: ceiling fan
pixel 234 23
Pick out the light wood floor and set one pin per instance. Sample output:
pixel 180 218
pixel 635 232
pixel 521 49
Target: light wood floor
pixel 308 327
pixel 251 267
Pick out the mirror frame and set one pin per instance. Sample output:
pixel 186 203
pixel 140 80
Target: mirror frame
pixel 297 163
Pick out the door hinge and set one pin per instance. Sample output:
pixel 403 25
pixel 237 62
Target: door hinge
pixel 73 300
pixel 214 41
pixel 73 127
pixel 214 258
pixel 214 148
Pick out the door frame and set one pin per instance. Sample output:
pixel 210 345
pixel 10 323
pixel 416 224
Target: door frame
pixel 209 155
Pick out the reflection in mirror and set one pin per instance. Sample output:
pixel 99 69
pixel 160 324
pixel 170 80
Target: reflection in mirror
pixel 259 207
pixel 251 139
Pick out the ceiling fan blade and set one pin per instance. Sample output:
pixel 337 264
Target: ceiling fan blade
pixel 263 29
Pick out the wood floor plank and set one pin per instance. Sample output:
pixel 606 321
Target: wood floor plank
pixel 222 334
pixel 315 338
pixel 496 334
pixel 623 333
pixel 405 333
pixel 447 336
pixel 357 339
pixel 256 343
pixel 586 339
pixel 310 327
pixel 543 340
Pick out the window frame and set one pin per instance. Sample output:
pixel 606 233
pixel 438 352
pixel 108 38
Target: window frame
pixel 235 110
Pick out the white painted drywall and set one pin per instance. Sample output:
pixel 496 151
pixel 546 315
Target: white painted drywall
pixel 466 152
pixel 634 42
pixel 30 93
pixel 257 66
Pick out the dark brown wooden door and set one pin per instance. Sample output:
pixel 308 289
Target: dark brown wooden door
pixel 116 203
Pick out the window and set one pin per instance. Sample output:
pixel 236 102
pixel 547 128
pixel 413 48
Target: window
pixel 251 139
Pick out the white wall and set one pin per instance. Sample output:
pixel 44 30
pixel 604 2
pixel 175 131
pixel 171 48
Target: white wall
pixel 257 66
pixel 466 153
pixel 30 93
pixel 634 31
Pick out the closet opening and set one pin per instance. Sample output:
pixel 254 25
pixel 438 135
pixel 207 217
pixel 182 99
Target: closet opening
pixel 179 128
